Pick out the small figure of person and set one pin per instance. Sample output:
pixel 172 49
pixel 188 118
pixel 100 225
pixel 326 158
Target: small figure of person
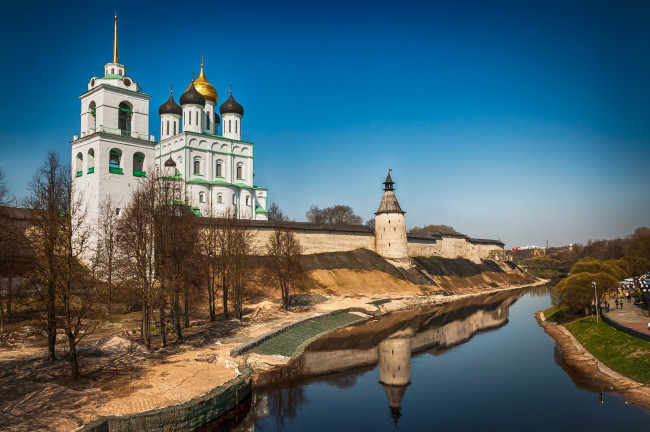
pixel 621 303
pixel 606 306
pixel 616 303
pixel 627 296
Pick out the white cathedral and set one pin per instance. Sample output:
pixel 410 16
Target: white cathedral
pixel 114 149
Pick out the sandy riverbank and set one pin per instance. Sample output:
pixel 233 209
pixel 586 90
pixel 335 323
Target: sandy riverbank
pixel 127 381
pixel 587 367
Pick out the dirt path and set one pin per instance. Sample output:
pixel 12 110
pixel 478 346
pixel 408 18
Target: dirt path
pixel 587 366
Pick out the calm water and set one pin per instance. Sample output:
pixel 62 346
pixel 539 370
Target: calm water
pixel 482 365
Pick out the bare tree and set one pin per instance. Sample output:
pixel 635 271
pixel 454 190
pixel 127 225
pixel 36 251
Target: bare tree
pixel 276 215
pixel 136 245
pixel 176 252
pixel 77 291
pixel 213 267
pixel 338 214
pixel 106 254
pixel 284 269
pixel 49 198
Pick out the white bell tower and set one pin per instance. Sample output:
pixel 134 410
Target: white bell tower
pixel 114 150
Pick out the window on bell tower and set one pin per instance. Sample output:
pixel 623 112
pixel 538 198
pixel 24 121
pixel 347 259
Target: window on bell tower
pixel 124 118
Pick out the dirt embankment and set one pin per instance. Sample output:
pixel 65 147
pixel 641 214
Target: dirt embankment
pixel 588 368
pixel 364 271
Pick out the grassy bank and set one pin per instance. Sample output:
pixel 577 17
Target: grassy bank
pixel 621 352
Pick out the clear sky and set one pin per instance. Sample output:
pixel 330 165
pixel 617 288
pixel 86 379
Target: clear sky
pixel 518 120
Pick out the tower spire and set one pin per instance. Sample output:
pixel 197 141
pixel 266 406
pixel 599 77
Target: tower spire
pixel 115 40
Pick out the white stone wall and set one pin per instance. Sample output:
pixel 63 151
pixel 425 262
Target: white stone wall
pixel 390 233
pixel 231 126
pixel 315 241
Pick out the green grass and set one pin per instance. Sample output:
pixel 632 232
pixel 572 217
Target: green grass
pixel 555 313
pixel 619 351
pixel 288 343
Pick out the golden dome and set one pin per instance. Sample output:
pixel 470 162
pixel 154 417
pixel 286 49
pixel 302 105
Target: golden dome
pixel 204 87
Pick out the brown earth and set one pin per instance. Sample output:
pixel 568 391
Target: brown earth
pixel 588 367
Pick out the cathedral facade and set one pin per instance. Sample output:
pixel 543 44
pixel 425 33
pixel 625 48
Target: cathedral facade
pixel 114 149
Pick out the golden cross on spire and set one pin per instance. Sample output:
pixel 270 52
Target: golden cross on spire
pixel 201 60
pixel 230 88
pixel 192 76
pixel 171 88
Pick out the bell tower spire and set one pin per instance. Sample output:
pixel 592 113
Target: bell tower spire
pixel 115 40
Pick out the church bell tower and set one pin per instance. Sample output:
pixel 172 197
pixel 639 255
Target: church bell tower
pixel 114 149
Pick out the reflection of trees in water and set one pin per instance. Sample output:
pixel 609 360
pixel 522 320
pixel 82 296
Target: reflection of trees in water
pixel 284 404
pixel 540 290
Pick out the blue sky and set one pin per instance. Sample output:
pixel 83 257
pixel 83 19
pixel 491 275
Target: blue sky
pixel 523 121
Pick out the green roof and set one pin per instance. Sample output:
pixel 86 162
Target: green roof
pixel 113 76
pixel 259 209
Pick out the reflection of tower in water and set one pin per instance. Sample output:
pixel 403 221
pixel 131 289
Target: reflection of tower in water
pixel 395 369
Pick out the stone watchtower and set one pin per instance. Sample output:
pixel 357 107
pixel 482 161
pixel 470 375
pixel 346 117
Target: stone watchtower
pixel 390 225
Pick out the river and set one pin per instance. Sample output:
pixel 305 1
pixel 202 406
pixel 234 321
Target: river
pixel 478 364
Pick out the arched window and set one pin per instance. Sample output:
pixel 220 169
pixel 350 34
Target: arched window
pixel 79 164
pixel 240 172
pixel 236 125
pixel 219 171
pixel 167 127
pixel 220 198
pixel 124 118
pixel 201 197
pixel 138 165
pixel 115 161
pixel 174 127
pixel 229 126
pixel 197 166
pixel 207 120
pixel 91 161
pixel 112 71
pixel 92 119
pixel 248 200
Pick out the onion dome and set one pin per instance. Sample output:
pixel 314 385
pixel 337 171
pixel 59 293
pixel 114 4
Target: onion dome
pixel 204 87
pixel 192 97
pixel 170 107
pixel 170 162
pixel 231 107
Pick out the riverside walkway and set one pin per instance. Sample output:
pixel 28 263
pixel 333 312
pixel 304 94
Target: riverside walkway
pixel 631 316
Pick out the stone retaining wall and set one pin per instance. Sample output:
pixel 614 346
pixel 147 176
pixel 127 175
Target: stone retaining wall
pixel 621 327
pixel 183 417
pixel 239 350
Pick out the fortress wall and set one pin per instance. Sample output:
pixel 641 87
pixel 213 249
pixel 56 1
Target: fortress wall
pixel 424 247
pixel 317 241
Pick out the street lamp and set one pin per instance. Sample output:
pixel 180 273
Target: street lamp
pixel 596 298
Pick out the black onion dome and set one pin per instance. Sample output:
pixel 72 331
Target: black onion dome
pixel 170 162
pixel 170 107
pixel 192 97
pixel 231 107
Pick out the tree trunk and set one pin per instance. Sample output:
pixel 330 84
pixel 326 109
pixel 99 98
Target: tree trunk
pixel 2 311
pixel 225 296
pixel 74 363
pixel 177 307
pixel 146 321
pixel 213 317
pixel 51 323
pixel 186 312
pixel 9 298
pixel 163 330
